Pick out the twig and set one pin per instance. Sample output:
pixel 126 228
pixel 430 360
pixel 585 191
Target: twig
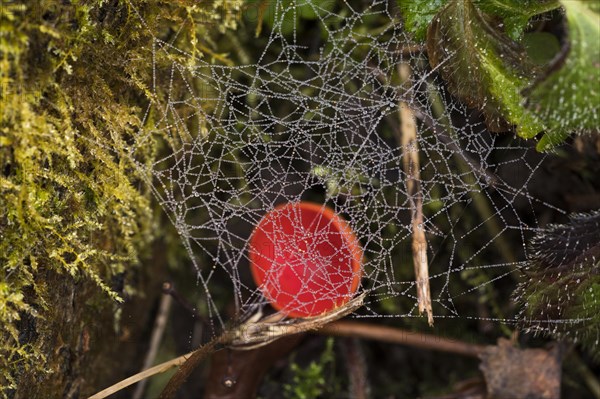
pixel 190 364
pixel 410 158
pixel 191 358
pixel 481 203
pixel 256 333
pixel 252 334
pixel 335 328
pixel 155 340
pixel 473 165
pixel 357 368
pixel 168 289
pixel 398 336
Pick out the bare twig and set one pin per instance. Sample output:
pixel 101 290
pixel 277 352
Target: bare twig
pixel 479 199
pixel 451 143
pixel 168 289
pixel 398 336
pixel 252 334
pixel 190 364
pixel 155 340
pixel 410 158
pixel 256 333
pixel 357 368
pixel 421 114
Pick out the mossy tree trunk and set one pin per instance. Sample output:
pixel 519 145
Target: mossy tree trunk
pixel 84 348
pixel 77 223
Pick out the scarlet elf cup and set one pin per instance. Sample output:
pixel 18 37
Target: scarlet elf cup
pixel 305 259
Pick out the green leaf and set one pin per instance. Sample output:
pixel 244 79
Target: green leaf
pixel 516 13
pixel 567 97
pixel 482 66
pixel 417 14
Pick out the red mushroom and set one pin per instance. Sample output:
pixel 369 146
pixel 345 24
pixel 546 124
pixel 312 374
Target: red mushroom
pixel 305 259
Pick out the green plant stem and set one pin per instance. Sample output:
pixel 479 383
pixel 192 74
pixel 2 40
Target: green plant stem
pixel 481 203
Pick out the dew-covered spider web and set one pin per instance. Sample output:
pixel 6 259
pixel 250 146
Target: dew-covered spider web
pixel 315 119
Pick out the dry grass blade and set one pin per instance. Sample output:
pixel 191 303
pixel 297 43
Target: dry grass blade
pixel 161 368
pixel 410 158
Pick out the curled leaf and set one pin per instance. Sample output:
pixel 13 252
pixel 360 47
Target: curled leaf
pixel 482 66
pixel 567 96
pixel 477 47
pixel 516 13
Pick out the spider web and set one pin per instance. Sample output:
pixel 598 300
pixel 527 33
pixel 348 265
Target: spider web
pixel 318 121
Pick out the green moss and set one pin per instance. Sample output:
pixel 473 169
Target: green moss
pixel 310 382
pixel 74 82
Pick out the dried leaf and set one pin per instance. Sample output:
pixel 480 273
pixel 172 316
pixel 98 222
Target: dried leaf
pixel 511 372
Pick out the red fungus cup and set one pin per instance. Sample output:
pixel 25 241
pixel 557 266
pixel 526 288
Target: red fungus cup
pixel 305 259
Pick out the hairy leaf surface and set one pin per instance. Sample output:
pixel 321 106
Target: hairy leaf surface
pixel 482 66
